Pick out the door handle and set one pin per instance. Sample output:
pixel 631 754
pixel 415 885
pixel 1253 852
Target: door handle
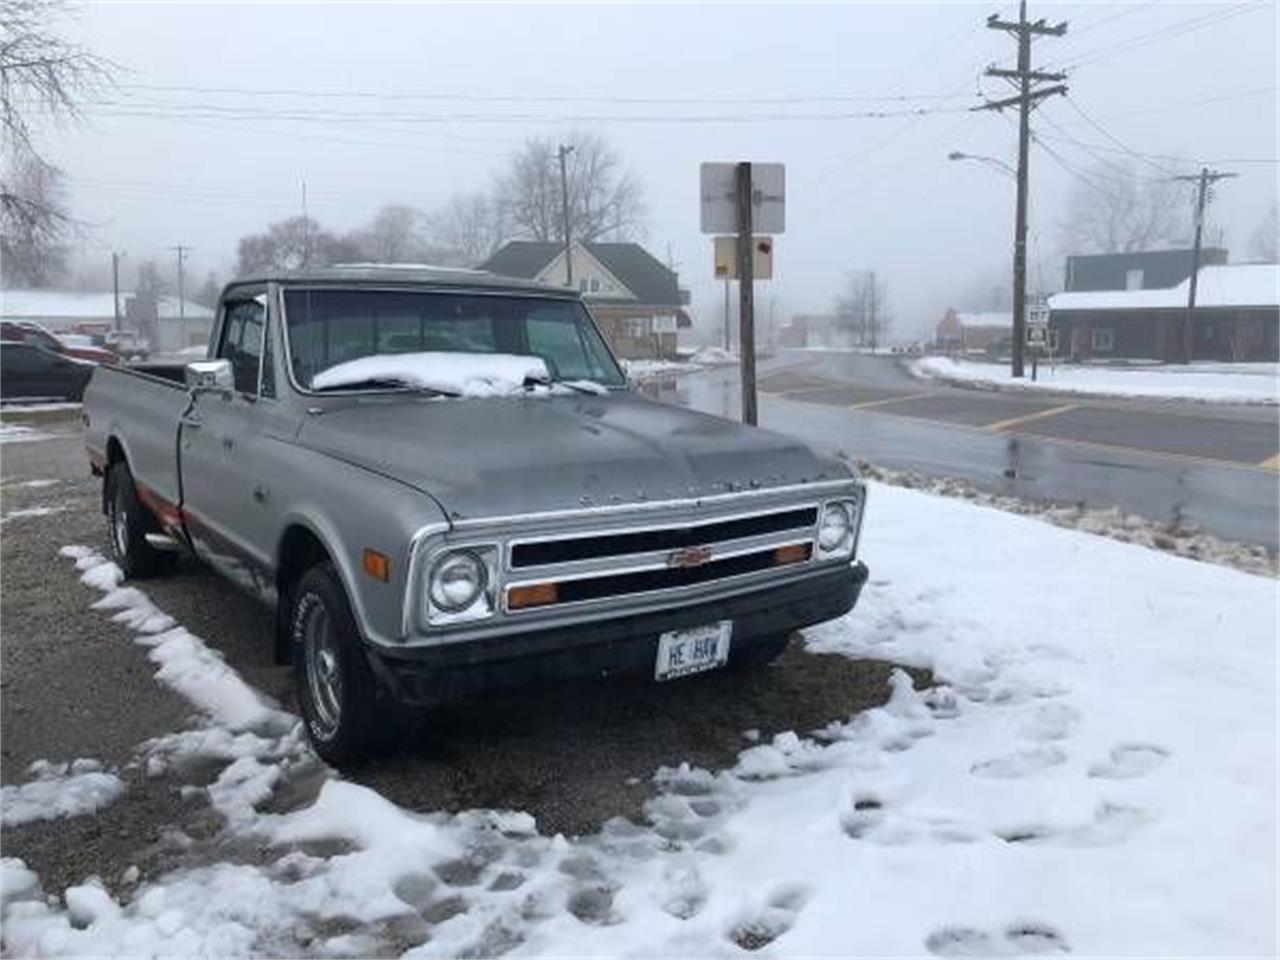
pixel 192 422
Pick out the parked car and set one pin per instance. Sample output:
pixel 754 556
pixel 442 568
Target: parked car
pixel 29 371
pixel 442 484
pixel 32 332
pixel 128 344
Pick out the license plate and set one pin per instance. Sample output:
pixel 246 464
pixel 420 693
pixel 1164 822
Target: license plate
pixel 682 652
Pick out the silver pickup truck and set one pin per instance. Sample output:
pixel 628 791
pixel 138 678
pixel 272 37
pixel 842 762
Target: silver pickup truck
pixel 443 486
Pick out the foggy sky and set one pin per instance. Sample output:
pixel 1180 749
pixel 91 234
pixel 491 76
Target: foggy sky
pixel 862 193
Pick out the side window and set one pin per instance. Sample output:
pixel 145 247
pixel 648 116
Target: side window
pixel 242 342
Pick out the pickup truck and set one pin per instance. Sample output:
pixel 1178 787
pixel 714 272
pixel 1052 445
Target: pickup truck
pixel 442 484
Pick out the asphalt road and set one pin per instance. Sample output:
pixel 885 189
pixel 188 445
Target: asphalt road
pixel 1211 465
pixel 76 685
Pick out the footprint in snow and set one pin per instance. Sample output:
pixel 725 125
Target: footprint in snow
pixel 1017 939
pixel 1023 763
pixel 1129 761
pixel 1111 824
pixel 777 917
pixel 1050 721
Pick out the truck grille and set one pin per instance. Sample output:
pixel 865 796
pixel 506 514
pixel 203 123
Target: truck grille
pixel 554 571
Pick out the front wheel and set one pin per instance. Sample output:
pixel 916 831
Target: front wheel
pixel 336 689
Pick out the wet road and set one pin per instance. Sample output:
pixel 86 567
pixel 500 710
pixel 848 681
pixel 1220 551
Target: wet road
pixel 1213 465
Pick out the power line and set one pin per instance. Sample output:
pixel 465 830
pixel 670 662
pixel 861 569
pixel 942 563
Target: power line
pixel 1114 139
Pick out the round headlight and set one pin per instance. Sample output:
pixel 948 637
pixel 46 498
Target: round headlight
pixel 834 528
pixel 456 581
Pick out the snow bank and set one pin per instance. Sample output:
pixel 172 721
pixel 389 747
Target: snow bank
pixel 1094 773
pixel 59 790
pixel 53 406
pixel 464 374
pixel 1204 382
pixel 29 512
pixel 17 433
pixel 712 356
pixel 651 369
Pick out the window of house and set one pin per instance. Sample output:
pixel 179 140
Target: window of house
pixel 1133 279
pixel 1206 331
pixel 1103 339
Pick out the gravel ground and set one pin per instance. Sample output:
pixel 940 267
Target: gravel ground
pixel 74 685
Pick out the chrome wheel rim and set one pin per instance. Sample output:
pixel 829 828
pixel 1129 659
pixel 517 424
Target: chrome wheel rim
pixel 324 670
pixel 119 529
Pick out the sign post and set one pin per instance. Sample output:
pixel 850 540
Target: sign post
pixel 1037 333
pixel 739 198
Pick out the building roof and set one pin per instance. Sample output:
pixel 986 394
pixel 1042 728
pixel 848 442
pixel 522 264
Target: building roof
pixel 78 306
pixel 1226 285
pixel 638 270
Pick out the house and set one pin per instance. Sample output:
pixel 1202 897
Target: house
pixel 636 300
pixel 964 332
pixel 166 324
pixel 1237 317
pixel 1137 270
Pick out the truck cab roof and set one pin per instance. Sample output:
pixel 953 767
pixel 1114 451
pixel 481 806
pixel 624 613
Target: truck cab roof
pixel 409 275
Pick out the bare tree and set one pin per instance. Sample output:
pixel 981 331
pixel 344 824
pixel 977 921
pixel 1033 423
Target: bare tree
pixel 470 227
pixel 1114 210
pixel 293 243
pixel 862 309
pixel 33 225
pixel 42 75
pixel 1266 239
pixel 397 234
pixel 605 201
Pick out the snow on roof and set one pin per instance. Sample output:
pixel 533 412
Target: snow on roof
pixel 75 305
pixel 1226 285
pixel 988 318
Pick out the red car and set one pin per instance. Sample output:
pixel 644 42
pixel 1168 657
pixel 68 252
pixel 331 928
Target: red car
pixel 30 332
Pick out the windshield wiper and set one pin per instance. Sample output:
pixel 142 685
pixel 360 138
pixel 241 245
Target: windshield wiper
pixel 576 386
pixel 388 383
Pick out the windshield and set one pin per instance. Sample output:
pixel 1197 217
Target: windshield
pixel 329 327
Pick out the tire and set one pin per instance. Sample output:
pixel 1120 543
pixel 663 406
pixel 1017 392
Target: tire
pixel 128 523
pixel 761 653
pixel 336 689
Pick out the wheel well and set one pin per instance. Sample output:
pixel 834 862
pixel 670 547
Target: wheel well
pixel 300 550
pixel 115 454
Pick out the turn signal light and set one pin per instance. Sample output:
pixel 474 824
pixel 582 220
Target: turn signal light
pixel 376 565
pixel 792 553
pixel 532 595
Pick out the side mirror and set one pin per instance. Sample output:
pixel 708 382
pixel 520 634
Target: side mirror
pixel 210 376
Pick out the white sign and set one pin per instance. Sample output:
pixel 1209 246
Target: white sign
pixel 1037 335
pixel 1037 314
pixel 726 262
pixel 719 182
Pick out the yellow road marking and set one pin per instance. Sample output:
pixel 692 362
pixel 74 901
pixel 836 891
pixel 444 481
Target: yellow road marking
pixel 900 398
pixel 1271 463
pixel 1027 418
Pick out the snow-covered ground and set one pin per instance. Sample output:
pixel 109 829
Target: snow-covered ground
pixel 1204 382
pixel 56 790
pixel 1094 772
pixel 696 360
pixel 20 433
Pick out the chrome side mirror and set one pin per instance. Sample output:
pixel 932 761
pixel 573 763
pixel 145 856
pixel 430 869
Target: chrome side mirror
pixel 210 376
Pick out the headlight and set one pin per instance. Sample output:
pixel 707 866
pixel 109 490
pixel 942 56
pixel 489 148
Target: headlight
pixel 456 580
pixel 838 528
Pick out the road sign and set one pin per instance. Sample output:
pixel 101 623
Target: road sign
pixel 1037 314
pixel 720 197
pixel 1037 335
pixel 726 258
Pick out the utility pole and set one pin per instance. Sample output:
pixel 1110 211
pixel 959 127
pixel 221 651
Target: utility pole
pixel 746 295
pixel 115 287
pixel 873 318
pixel 182 298
pixel 1026 98
pixel 306 227
pixel 1203 180
pixel 728 340
pixel 562 153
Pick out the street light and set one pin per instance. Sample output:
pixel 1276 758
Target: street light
pixel 957 155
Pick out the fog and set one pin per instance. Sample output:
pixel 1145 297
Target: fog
pixel 151 167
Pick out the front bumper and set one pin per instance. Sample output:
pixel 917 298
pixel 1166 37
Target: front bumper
pixel 626 645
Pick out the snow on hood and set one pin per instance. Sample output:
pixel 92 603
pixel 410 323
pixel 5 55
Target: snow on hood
pixel 464 374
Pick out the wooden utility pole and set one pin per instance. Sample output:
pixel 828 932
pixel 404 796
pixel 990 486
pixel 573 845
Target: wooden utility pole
pixel 873 318
pixel 562 153
pixel 182 252
pixel 1203 180
pixel 1026 98
pixel 728 334
pixel 746 296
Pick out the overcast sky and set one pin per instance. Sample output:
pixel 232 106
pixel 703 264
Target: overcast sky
pixel 152 169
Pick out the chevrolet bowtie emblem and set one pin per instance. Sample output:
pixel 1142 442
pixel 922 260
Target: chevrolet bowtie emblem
pixel 688 557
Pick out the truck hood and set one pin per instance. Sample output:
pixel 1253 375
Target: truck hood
pixel 497 457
